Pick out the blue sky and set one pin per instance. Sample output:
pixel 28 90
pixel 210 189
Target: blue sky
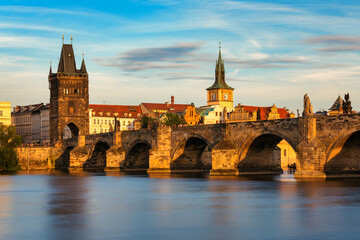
pixel 146 51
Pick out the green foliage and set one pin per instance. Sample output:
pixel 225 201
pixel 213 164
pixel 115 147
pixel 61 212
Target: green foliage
pixel 174 120
pixel 146 121
pixel 8 142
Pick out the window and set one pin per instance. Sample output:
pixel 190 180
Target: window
pixel 284 152
pixel 123 123
pixel 105 121
pixel 216 113
pixel 220 114
pixel 98 121
pixel 94 121
pixel 1 113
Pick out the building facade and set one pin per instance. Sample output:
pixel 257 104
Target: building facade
pixel 69 96
pixel 103 117
pixel 5 113
pixel 45 123
pixel 27 121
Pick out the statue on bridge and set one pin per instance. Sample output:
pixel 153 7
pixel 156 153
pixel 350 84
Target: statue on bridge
pixel 347 109
pixel 308 108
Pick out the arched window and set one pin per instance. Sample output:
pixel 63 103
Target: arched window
pixel 284 152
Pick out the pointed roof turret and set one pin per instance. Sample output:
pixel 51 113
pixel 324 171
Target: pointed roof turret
pixel 67 59
pixel 83 67
pixel 337 104
pixel 220 74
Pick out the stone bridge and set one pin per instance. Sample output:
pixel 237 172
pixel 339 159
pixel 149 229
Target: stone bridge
pixel 324 145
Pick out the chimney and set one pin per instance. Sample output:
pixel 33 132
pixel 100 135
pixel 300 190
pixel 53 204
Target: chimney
pixel 172 100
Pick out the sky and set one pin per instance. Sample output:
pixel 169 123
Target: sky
pixel 145 51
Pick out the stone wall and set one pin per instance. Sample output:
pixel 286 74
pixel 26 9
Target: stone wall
pixel 37 157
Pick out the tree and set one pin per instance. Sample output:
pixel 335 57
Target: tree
pixel 174 120
pixel 146 121
pixel 8 142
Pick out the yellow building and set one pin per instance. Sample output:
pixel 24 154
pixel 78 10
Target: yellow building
pixel 191 116
pixel 220 93
pixel 5 113
pixel 288 155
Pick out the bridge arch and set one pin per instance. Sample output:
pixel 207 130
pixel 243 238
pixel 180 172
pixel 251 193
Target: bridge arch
pixel 137 157
pixel 192 153
pixel 343 154
pixel 97 156
pixel 260 153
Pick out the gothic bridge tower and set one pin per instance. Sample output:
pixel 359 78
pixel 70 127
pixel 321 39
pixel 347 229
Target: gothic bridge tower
pixel 220 93
pixel 69 96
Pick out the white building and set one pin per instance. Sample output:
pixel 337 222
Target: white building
pixel 213 114
pixel 102 117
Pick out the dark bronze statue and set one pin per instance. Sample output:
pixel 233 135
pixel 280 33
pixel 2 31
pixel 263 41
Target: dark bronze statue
pixel 347 109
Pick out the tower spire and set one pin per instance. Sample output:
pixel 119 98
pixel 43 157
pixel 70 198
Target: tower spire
pixel 83 67
pixel 220 73
pixel 50 71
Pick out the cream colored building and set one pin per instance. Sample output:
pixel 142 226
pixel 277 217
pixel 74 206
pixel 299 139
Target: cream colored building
pixel 102 117
pixel 213 114
pixel 5 113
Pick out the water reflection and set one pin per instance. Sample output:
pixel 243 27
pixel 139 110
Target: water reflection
pixel 5 205
pixel 87 205
pixel 67 206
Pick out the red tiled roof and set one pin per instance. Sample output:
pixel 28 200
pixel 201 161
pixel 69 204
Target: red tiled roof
pixel 264 111
pixel 115 110
pixel 165 106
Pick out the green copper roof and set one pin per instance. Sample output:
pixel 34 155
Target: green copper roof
pixel 220 75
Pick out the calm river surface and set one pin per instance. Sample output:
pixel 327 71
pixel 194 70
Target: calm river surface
pixel 58 205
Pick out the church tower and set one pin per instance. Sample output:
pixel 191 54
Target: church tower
pixel 220 93
pixel 69 96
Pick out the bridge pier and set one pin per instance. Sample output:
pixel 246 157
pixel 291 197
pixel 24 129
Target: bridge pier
pixel 79 154
pixel 224 159
pixel 311 157
pixel 115 156
pixel 160 154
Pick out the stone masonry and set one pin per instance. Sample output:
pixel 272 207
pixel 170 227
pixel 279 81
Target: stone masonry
pixel 222 149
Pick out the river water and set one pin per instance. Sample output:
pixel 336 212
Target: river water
pixel 85 205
